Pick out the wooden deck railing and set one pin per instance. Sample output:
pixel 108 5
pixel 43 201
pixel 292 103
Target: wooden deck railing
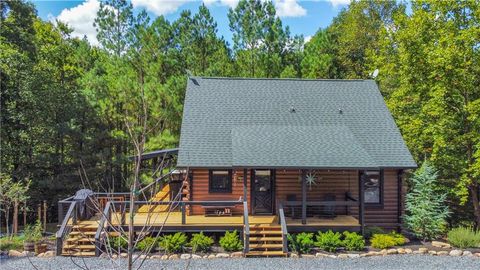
pixel 283 225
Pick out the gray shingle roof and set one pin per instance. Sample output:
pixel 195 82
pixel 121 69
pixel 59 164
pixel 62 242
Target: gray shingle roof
pixel 234 122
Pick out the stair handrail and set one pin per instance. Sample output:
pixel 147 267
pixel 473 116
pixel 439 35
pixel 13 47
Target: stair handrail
pixel 64 228
pixel 246 228
pixel 283 224
pixel 159 179
pixel 101 225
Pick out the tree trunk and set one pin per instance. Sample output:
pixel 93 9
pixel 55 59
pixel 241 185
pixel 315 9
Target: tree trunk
pixel 15 217
pixel 130 226
pixel 476 203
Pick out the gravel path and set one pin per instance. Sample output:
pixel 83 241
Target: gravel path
pixel 409 262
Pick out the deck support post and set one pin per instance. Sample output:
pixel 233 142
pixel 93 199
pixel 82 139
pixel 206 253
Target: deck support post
pixel 399 199
pixel 361 212
pixel 184 217
pixel 304 197
pixel 244 184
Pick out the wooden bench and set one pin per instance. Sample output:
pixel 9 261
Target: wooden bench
pixel 218 210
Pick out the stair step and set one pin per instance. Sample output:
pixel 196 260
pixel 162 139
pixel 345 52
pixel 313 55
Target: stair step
pixel 266 245
pixel 265 226
pixel 79 247
pixel 83 233
pixel 266 253
pixel 80 239
pixel 258 239
pixel 265 232
pixel 79 253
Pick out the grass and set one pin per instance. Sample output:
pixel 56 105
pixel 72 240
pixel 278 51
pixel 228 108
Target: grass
pixel 464 237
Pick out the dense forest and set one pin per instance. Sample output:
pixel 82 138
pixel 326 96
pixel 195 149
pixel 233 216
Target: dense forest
pixel 64 101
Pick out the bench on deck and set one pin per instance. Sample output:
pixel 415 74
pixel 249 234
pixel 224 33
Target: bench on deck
pixel 219 210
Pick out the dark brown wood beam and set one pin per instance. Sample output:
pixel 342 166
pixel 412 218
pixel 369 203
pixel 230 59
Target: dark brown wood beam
pixel 361 212
pixel 304 197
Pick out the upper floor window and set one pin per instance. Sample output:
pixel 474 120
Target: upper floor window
pixel 220 181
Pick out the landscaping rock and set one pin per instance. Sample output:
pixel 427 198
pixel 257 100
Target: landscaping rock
pixel 49 254
pixel 143 257
pixel 432 252
pixel 114 256
pixel 456 252
pixel 442 253
pixel 440 244
pixel 324 255
pixel 237 254
pixel 123 255
pixel 371 253
pixel 342 256
pixel 308 256
pixel 211 256
pixel 408 251
pixel 195 256
pixel 222 255
pixel 477 254
pixel 423 250
pixel 15 253
pixel 392 251
pixel 353 255
pixel 383 252
pixel 174 257
pixel 104 255
pixel 28 253
pixel 401 251
pixel 157 256
pixel 294 255
pixel 467 253
pixel 40 255
pixel 185 256
pixel 164 257
pixel 406 240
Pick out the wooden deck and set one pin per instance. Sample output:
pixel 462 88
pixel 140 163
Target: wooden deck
pixel 175 219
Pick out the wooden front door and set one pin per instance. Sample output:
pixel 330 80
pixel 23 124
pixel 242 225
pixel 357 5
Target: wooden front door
pixel 263 192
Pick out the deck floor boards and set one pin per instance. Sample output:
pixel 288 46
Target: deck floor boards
pixel 175 219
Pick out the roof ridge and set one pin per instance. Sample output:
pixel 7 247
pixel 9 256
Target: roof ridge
pixel 281 79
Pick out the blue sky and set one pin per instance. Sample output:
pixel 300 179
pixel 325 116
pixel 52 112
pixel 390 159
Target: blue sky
pixel 303 17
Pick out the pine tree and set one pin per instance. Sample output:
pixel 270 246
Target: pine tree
pixel 425 204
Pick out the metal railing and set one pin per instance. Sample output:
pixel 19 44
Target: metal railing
pixel 283 225
pixel 66 228
pixel 246 228
pixel 321 208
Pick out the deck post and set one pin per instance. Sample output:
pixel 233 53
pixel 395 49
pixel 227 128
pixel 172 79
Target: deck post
pixel 244 184
pixel 361 194
pixel 399 199
pixel 304 197
pixel 184 217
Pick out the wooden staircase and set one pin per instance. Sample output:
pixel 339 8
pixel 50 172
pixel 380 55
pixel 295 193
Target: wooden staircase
pixel 81 240
pixel 266 241
pixel 162 195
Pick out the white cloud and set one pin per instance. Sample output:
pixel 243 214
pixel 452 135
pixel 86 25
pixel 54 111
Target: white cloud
pixel 289 8
pixel 336 3
pixel 81 19
pixel 229 3
pixel 159 7
pixel 307 39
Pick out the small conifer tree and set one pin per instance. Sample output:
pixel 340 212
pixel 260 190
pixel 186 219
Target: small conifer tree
pixel 426 212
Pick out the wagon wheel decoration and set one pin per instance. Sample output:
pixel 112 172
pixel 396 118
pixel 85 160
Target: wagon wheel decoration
pixel 311 179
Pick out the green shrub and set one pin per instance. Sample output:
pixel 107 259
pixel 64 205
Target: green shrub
pixel 426 212
pixel 147 244
pixel 8 243
pixel 231 241
pixel 200 242
pixel 328 241
pixel 118 242
pixel 33 233
pixel 173 243
pixel 382 241
pixel 353 241
pixel 463 237
pixel 301 243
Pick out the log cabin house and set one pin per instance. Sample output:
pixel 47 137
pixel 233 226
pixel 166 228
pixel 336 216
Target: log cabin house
pixel 268 157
